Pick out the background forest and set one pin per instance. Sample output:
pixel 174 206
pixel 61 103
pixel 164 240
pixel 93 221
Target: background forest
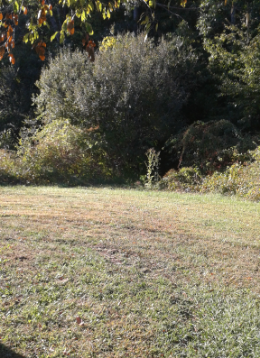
pixel 87 107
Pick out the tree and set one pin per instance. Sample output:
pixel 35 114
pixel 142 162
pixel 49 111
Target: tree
pixel 40 16
pixel 60 19
pixel 231 37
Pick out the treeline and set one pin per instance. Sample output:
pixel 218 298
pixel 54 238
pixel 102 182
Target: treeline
pixel 181 80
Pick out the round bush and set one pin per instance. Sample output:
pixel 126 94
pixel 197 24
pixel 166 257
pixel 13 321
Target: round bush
pixel 133 93
pixel 62 152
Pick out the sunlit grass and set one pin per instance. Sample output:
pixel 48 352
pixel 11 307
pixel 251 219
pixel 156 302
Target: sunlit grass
pixel 104 272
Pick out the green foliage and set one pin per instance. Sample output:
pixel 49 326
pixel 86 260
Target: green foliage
pixel 210 146
pixel 16 89
pixel 60 153
pixel 152 176
pixel 9 167
pixel 242 180
pixel 223 183
pixel 57 85
pixel 6 138
pixel 187 179
pixel 133 93
pixel 63 152
pixel 232 42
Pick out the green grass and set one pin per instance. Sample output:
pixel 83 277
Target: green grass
pixel 104 272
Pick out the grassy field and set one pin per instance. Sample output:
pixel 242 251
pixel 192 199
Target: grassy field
pixel 102 272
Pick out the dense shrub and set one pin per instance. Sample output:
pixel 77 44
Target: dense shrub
pixel 187 179
pixel 210 146
pixel 9 167
pixel 242 180
pixel 60 153
pixel 133 92
pixel 238 179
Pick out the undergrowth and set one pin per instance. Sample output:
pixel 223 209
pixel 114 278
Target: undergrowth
pixel 63 153
pixel 242 179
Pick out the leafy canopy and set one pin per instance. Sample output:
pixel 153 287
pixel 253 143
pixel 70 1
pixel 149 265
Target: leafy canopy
pixel 39 14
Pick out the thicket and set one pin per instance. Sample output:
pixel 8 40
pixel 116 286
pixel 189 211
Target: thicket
pixel 192 95
pixel 131 97
pixel 59 153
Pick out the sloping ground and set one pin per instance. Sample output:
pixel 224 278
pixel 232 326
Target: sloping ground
pixel 100 272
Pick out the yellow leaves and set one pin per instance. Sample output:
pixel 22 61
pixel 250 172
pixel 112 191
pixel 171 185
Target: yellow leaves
pixel 16 7
pixel 83 16
pixel 183 3
pixel 91 6
pixel 108 42
pixel 116 4
pixel 99 6
pixel 54 36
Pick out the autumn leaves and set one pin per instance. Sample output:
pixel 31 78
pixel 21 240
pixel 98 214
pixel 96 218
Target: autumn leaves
pixel 8 21
pixel 41 18
pixel 40 50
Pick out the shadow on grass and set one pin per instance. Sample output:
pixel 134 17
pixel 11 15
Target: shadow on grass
pixel 6 352
pixel 67 183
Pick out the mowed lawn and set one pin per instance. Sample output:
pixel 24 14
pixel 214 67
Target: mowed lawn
pixel 104 272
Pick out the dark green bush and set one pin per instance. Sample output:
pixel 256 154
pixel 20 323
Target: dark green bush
pixel 17 84
pixel 133 93
pixel 210 146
